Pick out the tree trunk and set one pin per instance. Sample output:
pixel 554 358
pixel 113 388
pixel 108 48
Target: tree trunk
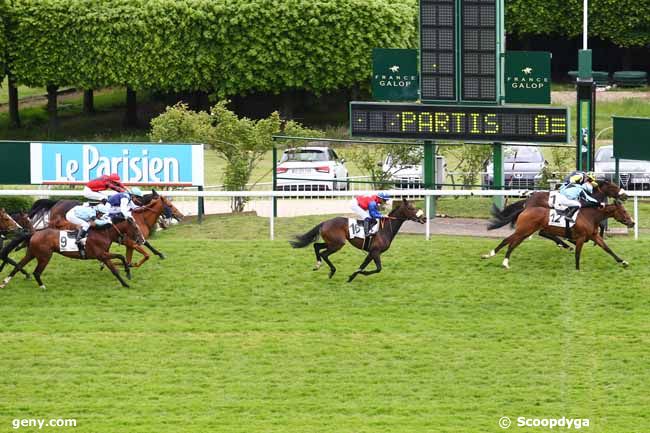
pixel 131 119
pixel 14 116
pixel 89 102
pixel 52 93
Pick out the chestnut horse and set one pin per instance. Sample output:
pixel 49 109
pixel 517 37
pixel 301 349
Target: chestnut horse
pixel 510 213
pixel 44 243
pixel 533 219
pixel 335 233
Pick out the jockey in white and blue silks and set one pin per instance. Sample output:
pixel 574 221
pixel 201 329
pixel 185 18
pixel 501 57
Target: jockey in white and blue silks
pixel 83 217
pixel 122 203
pixel 574 195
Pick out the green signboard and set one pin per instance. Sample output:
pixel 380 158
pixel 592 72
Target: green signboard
pixel 528 77
pixel 394 74
pixel 14 163
pixel 632 138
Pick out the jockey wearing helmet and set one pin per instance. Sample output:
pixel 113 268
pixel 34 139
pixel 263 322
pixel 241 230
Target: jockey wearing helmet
pixel 101 188
pixel 367 209
pixel 85 217
pixel 122 203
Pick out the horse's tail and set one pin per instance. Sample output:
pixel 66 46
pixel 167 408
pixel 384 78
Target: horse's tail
pixel 306 239
pixel 41 205
pixel 508 215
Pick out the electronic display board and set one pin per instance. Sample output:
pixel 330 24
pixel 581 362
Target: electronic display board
pixel 467 123
pixel 479 50
pixel 437 50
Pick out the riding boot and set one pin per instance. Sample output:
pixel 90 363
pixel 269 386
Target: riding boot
pixel 81 233
pixel 366 227
pixel 568 217
pixel 371 224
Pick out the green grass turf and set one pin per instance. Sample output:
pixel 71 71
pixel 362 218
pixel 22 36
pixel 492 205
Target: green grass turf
pixel 241 336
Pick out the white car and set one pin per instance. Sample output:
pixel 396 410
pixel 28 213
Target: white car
pixel 409 174
pixel 311 169
pixel 634 174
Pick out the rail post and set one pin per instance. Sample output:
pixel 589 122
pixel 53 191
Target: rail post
pixel 497 175
pixel 201 209
pixel 430 175
pixel 274 185
pixel 427 229
pixel 636 217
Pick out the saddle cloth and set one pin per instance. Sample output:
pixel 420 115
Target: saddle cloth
pixel 558 220
pixel 355 228
pixel 68 241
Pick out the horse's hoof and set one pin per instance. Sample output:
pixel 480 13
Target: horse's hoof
pixel 162 256
pixel 128 275
pixel 316 266
pixel 488 255
pixel 43 287
pixel 351 277
pixel 28 276
pixel 625 263
pixel 332 274
pixel 505 264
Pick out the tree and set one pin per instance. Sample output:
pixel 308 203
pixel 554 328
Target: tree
pixel 241 142
pixel 370 158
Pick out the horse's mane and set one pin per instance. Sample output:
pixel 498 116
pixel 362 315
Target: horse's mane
pixel 42 204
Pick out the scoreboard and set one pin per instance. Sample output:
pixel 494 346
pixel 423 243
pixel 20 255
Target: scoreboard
pixel 460 122
pixel 459 55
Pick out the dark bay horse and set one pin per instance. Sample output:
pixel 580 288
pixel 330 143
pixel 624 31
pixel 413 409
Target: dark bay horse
pixel 510 213
pixel 586 228
pixel 44 243
pixel 335 233
pixel 10 229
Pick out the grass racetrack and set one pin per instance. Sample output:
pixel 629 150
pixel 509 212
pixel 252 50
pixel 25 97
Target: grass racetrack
pixel 241 336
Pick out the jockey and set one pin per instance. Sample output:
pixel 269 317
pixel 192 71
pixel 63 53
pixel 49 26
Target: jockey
pixel 122 203
pixel 85 217
pixel 577 195
pixel 367 209
pixel 99 189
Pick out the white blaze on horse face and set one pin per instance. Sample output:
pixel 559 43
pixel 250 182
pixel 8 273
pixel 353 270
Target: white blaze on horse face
pixel 419 213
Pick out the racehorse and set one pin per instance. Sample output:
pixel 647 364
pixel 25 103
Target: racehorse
pixel 586 228
pixel 56 211
pixel 147 217
pixel 335 233
pixel 9 227
pixel 510 213
pixel 44 243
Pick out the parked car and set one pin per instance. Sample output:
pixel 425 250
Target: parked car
pixel 311 169
pixel 522 167
pixel 633 174
pixel 410 175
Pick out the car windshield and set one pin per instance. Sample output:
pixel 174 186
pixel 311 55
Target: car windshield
pixel 523 154
pixel 605 154
pixel 304 155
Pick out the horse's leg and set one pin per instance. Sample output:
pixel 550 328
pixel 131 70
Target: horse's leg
pixel 559 242
pixel 376 256
pixel 317 247
pixel 579 243
pixel 365 263
pixel 123 262
pixel 138 248
pixel 498 248
pixel 28 258
pixel 331 249
pixel 153 250
pixel 517 238
pixel 12 246
pixel 601 243
pixel 106 259
pixel 42 264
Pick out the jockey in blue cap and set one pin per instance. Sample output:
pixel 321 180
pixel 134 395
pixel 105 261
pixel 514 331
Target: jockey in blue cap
pixel 367 209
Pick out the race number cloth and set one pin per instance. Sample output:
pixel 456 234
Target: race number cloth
pixel 557 220
pixel 355 228
pixel 67 242
pixel 552 200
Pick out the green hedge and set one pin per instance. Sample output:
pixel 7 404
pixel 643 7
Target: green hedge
pixel 230 47
pixel 14 204
pixel 624 22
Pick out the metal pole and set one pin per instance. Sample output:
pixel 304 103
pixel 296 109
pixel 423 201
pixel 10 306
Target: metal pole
pixel 201 209
pixel 617 172
pixel 275 181
pixel 497 176
pixel 636 217
pixel 427 230
pixel 585 22
pixel 272 219
pixel 430 173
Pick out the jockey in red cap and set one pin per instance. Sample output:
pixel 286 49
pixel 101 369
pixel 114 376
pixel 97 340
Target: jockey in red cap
pixel 101 188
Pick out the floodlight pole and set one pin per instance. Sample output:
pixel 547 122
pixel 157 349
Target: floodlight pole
pixel 586 102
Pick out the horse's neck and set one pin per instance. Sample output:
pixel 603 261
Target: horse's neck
pixel 392 228
pixel 150 214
